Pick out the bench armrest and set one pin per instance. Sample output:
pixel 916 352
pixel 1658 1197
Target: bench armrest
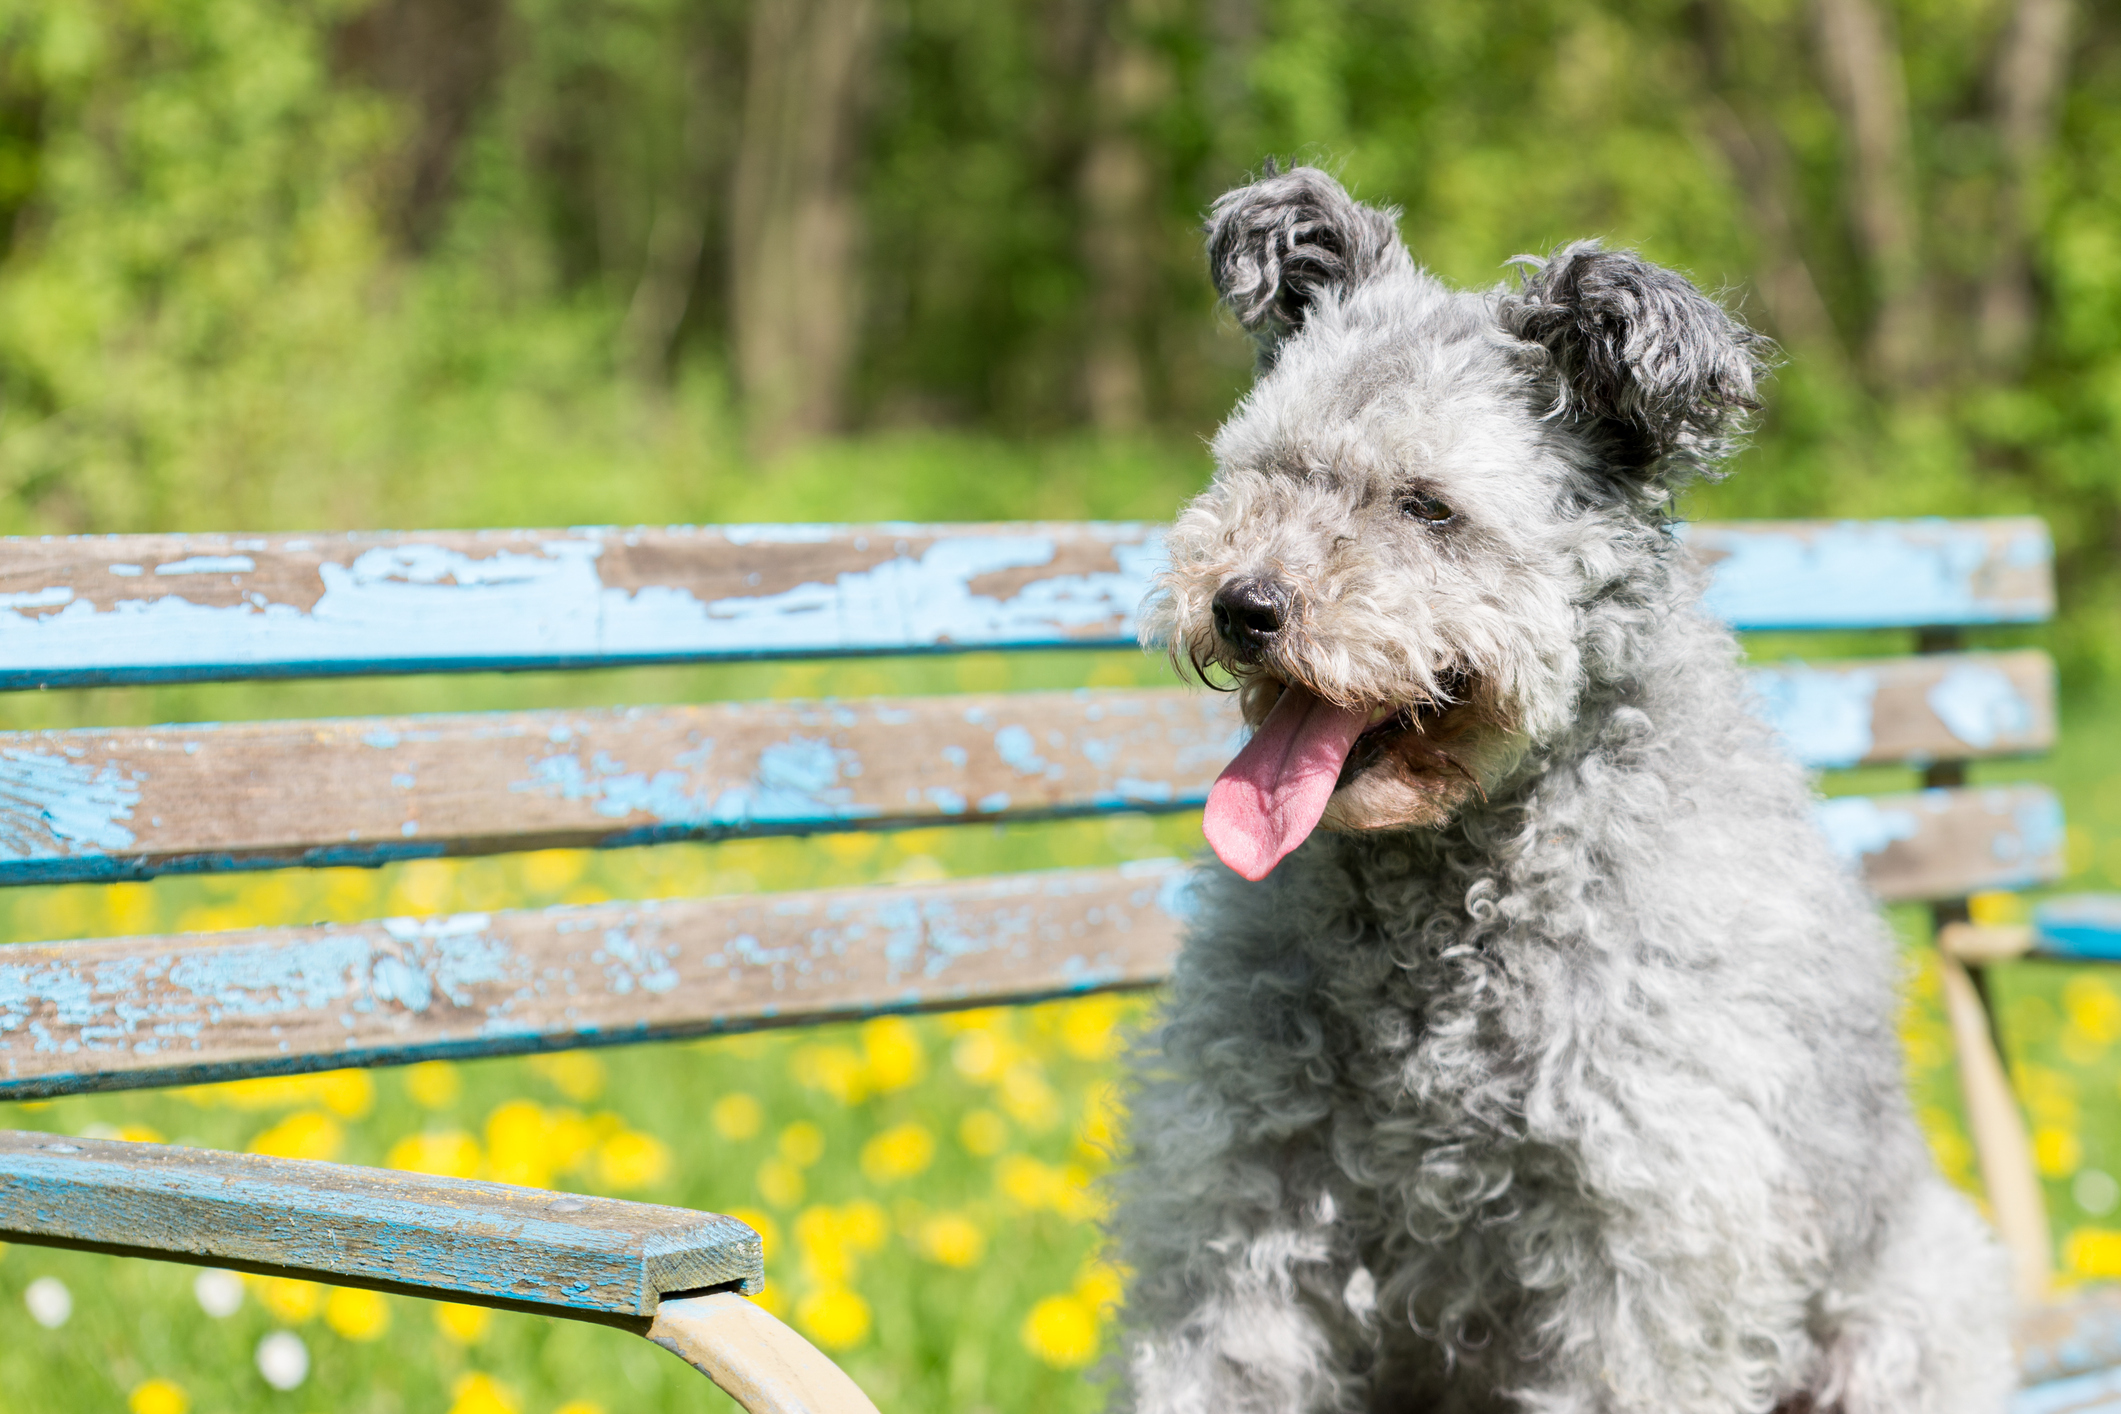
pixel 671 1274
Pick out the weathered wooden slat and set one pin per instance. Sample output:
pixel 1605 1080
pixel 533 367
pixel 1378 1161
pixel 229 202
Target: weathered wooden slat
pixel 2080 927
pixel 2095 1392
pixel 1937 707
pixel 131 1012
pixel 133 803
pixel 138 1012
pixel 1943 844
pixel 477 1242
pixel 137 802
pixel 1877 573
pixel 2072 1336
pixel 162 608
pixel 159 608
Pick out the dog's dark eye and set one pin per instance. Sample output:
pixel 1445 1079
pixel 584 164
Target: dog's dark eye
pixel 1417 506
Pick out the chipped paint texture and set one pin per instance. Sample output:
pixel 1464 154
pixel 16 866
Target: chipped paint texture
pixel 134 803
pixel 1939 844
pixel 558 598
pixel 1980 705
pixel 1875 574
pixel 1823 717
pixel 472 1241
pixel 128 1012
pixel 2070 1336
pixel 80 610
pixel 1933 707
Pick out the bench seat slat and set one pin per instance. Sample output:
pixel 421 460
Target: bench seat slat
pixel 471 1241
pixel 83 610
pixel 137 802
pixel 131 1012
pixel 138 1012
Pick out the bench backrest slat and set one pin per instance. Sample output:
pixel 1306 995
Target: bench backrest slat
pixel 129 1012
pixel 161 608
pixel 136 802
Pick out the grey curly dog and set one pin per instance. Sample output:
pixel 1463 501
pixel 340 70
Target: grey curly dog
pixel 1530 1050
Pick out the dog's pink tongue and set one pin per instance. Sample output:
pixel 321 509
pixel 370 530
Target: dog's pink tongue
pixel 1269 798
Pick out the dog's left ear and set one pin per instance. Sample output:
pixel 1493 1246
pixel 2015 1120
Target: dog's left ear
pixel 1639 352
pixel 1278 246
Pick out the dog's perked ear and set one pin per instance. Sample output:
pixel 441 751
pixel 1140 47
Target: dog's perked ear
pixel 1642 356
pixel 1275 246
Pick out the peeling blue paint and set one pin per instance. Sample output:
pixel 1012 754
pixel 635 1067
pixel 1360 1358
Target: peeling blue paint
pixel 1867 574
pixel 50 804
pixel 1823 717
pixel 1856 826
pixel 2080 925
pixel 1981 706
pixel 209 564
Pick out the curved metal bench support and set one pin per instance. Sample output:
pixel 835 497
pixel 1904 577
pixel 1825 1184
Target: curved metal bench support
pixel 757 1361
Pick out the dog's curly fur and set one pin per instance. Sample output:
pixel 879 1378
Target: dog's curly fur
pixel 1558 1072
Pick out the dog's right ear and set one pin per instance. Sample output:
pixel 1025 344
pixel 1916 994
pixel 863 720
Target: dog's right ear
pixel 1274 247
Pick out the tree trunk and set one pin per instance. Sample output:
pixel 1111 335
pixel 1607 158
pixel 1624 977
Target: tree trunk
pixel 678 234
pixel 795 222
pixel 443 57
pixel 2026 86
pixel 1868 85
pixel 1118 188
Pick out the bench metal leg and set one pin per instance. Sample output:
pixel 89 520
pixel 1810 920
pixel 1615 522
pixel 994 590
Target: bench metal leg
pixel 757 1361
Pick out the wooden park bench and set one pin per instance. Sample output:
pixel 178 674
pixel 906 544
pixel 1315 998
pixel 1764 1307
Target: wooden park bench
pixel 133 803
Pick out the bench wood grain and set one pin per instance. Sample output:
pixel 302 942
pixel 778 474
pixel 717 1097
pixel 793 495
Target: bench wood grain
pixel 160 608
pixel 132 803
pixel 491 1244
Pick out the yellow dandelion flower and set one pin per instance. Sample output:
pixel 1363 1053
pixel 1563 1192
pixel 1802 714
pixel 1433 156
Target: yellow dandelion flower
pixel 1099 1286
pixel 737 1116
pixel 864 1225
pixel 451 1154
pixel 482 1394
pixel 158 1396
pixel 985 1018
pixel 983 1132
pixel 2093 1252
pixel 951 1240
pixel 1103 1113
pixel 1074 1197
pixel 2092 1008
pixel 570 1140
pixel 515 1145
pixel 434 1085
pixel 780 1183
pixel 2056 1151
pixel 578 1075
pixel 306 1134
pixel 139 1133
pixel 1025 1181
pixel 349 1094
pixel 828 1258
pixel 763 1224
pixel 1996 909
pixel 631 1159
pixel 834 1317
pixel 357 1314
pixel 290 1300
pixel 547 871
pixel 802 1143
pixel 580 1406
pixel 980 1056
pixel 892 1048
pixel 899 1152
pixel 1062 1332
pixel 461 1324
pixel 770 1298
pixel 839 1071
pixel 1089 1029
pixel 1028 1098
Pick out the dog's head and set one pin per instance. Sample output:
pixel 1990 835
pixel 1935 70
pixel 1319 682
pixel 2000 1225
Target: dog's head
pixel 1425 503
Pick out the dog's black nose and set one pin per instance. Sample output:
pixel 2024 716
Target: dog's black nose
pixel 1249 613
